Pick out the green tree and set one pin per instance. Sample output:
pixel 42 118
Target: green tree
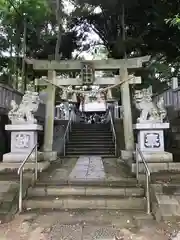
pixel 39 19
pixel 136 28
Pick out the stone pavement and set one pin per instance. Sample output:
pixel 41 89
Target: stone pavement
pixel 88 168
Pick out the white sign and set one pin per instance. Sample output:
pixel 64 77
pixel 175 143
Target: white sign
pixel 93 107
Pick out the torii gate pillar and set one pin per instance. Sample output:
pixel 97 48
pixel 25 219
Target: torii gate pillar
pixel 49 119
pixel 127 115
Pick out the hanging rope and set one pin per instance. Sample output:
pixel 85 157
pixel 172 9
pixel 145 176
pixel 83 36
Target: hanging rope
pixel 66 89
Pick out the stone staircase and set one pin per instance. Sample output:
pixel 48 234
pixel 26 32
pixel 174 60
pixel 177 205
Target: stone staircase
pixel 9 193
pixel 60 189
pixel 123 195
pixel 90 139
pixel 166 201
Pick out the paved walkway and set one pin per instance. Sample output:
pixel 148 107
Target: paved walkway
pixel 88 168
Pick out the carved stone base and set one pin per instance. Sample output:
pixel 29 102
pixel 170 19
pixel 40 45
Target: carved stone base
pixel 50 156
pixel 19 157
pixel 156 157
pixel 151 136
pixel 28 166
pixel 126 155
pixel 157 167
pixel 23 139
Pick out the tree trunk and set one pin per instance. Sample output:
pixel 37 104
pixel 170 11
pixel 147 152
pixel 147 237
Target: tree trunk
pixel 59 32
pixel 24 83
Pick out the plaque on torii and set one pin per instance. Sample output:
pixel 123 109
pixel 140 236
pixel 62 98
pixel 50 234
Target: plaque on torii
pixel 87 73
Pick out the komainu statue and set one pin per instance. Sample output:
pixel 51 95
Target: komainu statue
pixel 24 113
pixel 149 111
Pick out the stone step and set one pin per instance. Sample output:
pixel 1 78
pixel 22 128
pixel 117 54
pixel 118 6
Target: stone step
pixel 28 167
pixel 40 191
pixel 99 130
pixel 90 148
pixel 171 189
pixel 94 153
pixel 106 129
pixel 128 203
pixel 125 182
pixel 102 155
pixel 158 167
pixel 91 138
pixel 163 177
pixel 6 176
pixel 91 141
pixel 91 134
pixel 165 206
pixel 143 220
pixel 88 129
pixel 9 193
pixel 121 219
pixel 98 126
pixel 92 144
pixel 86 136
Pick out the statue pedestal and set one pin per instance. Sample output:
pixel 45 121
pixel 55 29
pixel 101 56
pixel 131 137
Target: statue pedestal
pixel 151 142
pixel 23 139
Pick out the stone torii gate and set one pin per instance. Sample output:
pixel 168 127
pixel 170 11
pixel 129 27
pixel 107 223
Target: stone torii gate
pixel 125 67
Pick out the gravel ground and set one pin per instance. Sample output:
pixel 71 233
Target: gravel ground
pixel 73 226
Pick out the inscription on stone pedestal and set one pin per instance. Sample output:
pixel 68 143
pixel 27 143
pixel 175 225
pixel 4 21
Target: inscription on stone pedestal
pixel 22 140
pixel 152 140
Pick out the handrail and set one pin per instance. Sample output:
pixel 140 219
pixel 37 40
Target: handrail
pixel 20 173
pixel 113 131
pixel 148 176
pixel 66 134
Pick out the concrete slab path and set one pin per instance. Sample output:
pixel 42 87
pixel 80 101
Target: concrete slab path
pixel 88 168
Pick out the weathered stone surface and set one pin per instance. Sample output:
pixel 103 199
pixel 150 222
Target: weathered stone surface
pixel 166 200
pixel 174 166
pixel 84 203
pixel 127 203
pixel 97 233
pixel 28 166
pixel 88 168
pixel 71 232
pixel 153 167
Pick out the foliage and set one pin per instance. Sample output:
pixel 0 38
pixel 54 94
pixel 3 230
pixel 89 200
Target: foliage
pixel 175 21
pixel 38 16
pixel 134 27
pixel 146 32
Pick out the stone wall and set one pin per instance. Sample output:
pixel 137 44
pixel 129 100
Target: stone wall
pixel 4 136
pixel 6 95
